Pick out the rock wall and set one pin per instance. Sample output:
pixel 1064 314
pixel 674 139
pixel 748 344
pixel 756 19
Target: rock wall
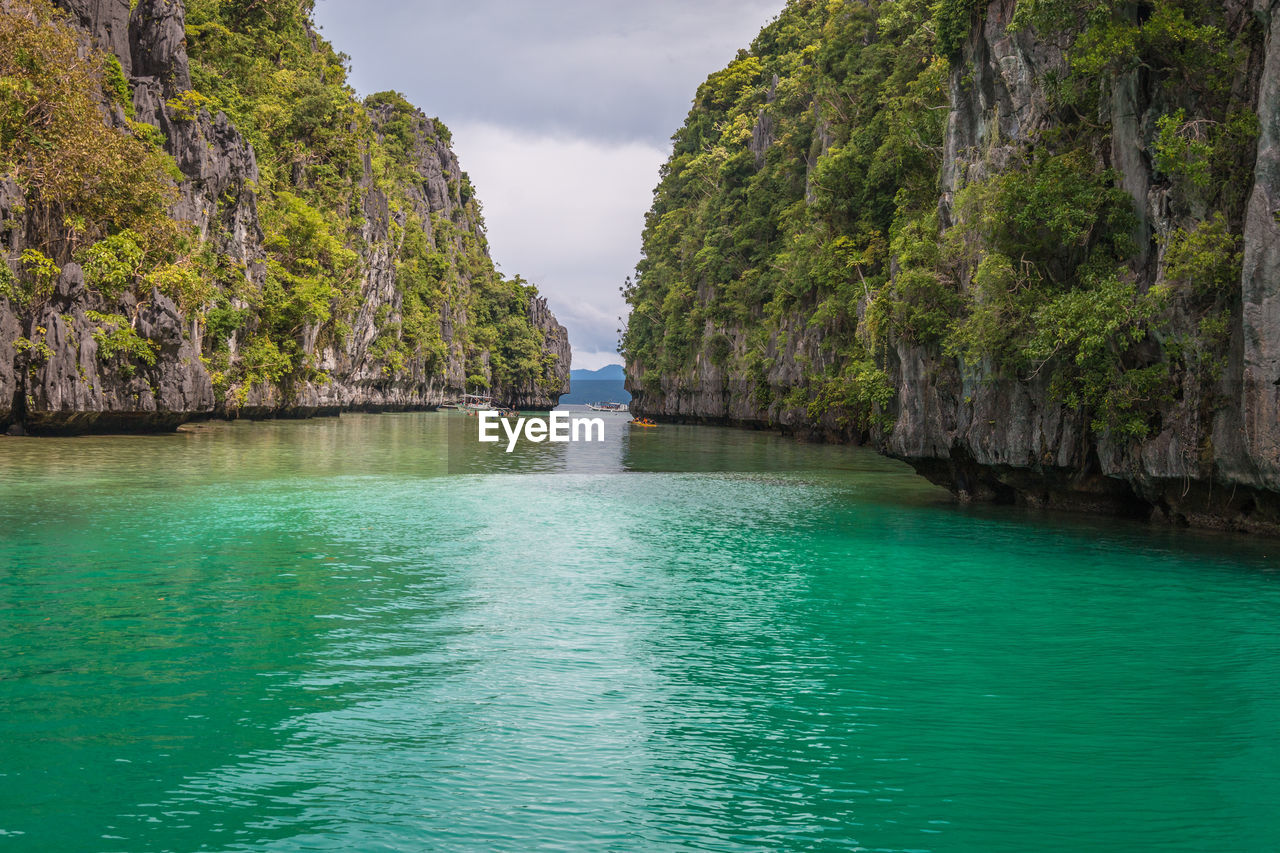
pixel 990 437
pixel 59 383
pixel 713 393
pixel 556 337
pixel 1254 443
pixel 1214 458
pixel 107 22
pixel 75 389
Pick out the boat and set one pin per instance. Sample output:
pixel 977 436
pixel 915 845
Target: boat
pixel 477 402
pixel 473 403
pixel 619 408
pixel 642 422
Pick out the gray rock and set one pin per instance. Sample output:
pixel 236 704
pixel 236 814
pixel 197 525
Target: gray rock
pixel 1260 290
pixel 12 242
pixel 107 23
pixel 157 43
pixel 544 394
pixel 78 388
pixel 75 387
pixel 986 435
pixel 1006 438
pixel 10 377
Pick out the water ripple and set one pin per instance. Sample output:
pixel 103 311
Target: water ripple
pixel 308 637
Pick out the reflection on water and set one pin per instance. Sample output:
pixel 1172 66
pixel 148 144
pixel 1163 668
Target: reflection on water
pixel 667 448
pixel 366 633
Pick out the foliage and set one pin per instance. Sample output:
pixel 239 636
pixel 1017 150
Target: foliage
pixel 263 361
pixel 744 232
pixel 115 85
pixel 186 285
pixel 286 90
pixel 1053 213
pixel 186 106
pixel 117 338
pixel 421 277
pixel 953 19
pixel 1004 299
pixel 8 281
pixel 1062 219
pixel 442 131
pixel 103 196
pixel 222 321
pixel 148 134
pixel 859 395
pixel 1083 332
pixel 501 328
pixel 1206 259
pixel 1182 150
pixel 917 306
pixel 399 129
pixel 803 189
pixel 112 265
pixel 42 273
pixel 309 269
pixel 82 179
pixel 1198 155
pixel 36 348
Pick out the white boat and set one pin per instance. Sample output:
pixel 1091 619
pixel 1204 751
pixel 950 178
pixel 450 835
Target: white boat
pixel 619 408
pixel 477 402
pixel 470 403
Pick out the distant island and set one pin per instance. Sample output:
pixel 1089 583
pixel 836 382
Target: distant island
pixel 592 386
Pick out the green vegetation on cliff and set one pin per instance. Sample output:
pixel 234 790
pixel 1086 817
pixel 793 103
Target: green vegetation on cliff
pixel 810 194
pixel 288 273
pixel 285 88
pixel 83 181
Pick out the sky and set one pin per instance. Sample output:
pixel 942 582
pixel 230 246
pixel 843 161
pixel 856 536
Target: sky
pixel 561 112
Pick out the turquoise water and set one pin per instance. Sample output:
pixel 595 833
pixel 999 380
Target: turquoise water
pixel 327 635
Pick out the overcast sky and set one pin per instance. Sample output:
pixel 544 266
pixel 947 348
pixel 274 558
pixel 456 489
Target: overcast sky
pixel 561 113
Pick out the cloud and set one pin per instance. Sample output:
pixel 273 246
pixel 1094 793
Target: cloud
pixel 604 69
pixel 566 214
pixel 561 113
pixel 591 360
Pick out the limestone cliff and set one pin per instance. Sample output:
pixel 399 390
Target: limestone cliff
pixel 1213 458
pixel 1030 249
pixel 347 270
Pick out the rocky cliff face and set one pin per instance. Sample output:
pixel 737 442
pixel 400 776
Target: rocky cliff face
pixel 714 391
pixel 544 394
pixel 1214 459
pixel 1207 449
pixel 77 387
pixel 1254 454
pixel 64 368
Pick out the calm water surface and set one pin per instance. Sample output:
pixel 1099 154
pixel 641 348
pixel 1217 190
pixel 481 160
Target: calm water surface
pixel 366 634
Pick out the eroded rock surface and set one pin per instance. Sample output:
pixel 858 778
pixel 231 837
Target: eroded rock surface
pixel 54 374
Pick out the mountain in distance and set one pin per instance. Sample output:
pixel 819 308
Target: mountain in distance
pixel 592 386
pixel 610 372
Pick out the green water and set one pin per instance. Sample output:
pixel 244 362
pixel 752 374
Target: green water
pixel 325 635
